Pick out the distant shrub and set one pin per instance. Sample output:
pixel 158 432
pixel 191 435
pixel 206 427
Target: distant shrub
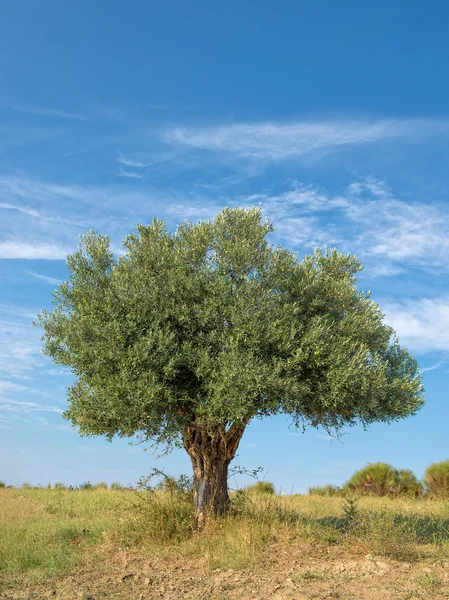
pixel 2 484
pixel 409 484
pixel 102 485
pixel 87 486
pixel 60 486
pixel 381 479
pixel 116 486
pixel 436 479
pixel 26 486
pixel 262 487
pixel 183 485
pixel 325 490
pixel 168 484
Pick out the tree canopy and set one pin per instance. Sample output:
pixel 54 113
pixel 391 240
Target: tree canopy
pixel 190 335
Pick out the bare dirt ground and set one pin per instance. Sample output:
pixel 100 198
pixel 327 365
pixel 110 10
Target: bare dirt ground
pixel 293 570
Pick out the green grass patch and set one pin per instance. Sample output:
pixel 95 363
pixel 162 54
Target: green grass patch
pixel 45 532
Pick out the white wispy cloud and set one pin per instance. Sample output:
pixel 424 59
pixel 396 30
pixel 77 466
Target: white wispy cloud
pixel 130 162
pixel 50 280
pixel 10 386
pixel 422 324
pixel 193 211
pixel 130 174
pixel 7 404
pixel 22 209
pixel 50 216
pixel 25 187
pixel 16 406
pixel 20 345
pixel 12 249
pixel 367 219
pixel 434 367
pixel 45 112
pixel 277 141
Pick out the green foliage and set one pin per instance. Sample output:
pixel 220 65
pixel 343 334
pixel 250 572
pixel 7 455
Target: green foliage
pixel 325 490
pixel 87 486
pixel 2 484
pixel 116 486
pixel 437 479
pixel 211 326
pixel 378 478
pixel 409 484
pixel 60 486
pixel 381 479
pixel 262 487
pixel 102 485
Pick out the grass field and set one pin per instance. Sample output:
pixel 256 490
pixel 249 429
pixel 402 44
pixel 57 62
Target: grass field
pixel 114 544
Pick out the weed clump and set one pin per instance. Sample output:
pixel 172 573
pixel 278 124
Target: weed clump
pixel 161 513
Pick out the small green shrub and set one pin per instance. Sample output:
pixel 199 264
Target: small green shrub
pixel 26 486
pixel 381 479
pixel 262 487
pixel 116 486
pixel 2 484
pixel 350 509
pixel 437 479
pixel 102 485
pixel 409 484
pixel 87 486
pixel 325 490
pixel 60 486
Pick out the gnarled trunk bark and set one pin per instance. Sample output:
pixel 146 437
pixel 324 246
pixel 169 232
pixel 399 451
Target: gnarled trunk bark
pixel 211 450
pixel 210 487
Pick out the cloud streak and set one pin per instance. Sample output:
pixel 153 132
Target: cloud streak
pixel 20 347
pixel 129 174
pixel 130 162
pixel 422 324
pixel 39 251
pixel 389 234
pixel 45 278
pixel 278 141
pixel 26 407
pixel 45 112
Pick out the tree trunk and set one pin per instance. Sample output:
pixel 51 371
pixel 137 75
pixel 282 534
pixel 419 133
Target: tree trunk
pixel 211 450
pixel 210 487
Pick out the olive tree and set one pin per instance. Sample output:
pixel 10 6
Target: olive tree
pixel 190 335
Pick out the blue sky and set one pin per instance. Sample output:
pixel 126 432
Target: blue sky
pixel 333 116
